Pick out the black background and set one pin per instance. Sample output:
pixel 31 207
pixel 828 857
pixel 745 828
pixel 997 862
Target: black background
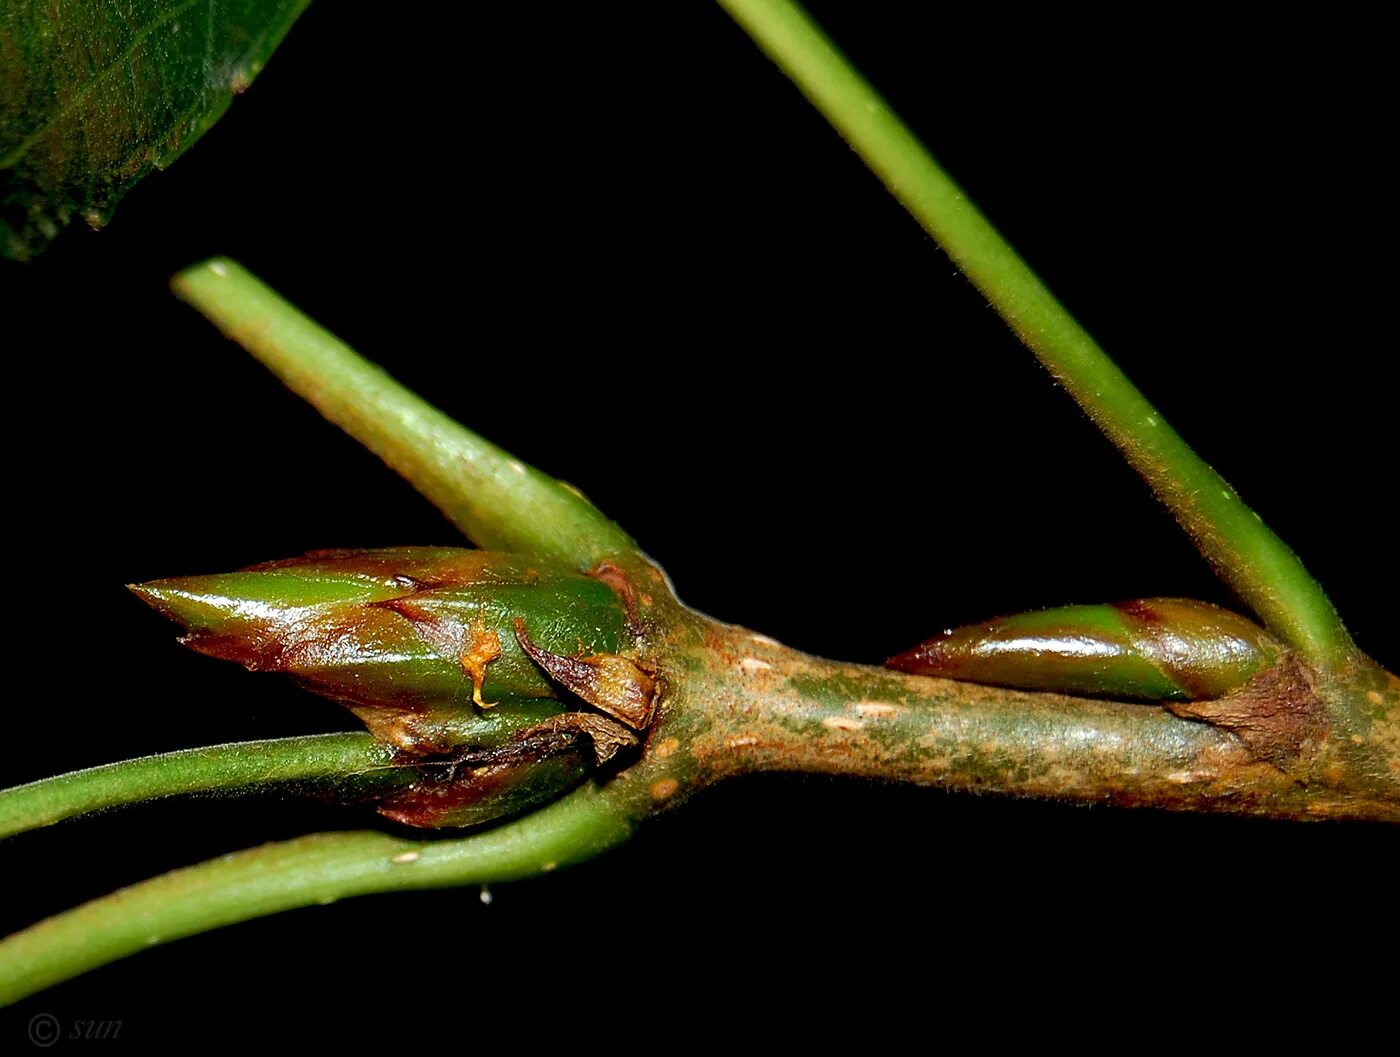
pixel 619 244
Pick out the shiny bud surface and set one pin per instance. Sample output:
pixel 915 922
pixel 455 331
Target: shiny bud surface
pixel 1158 649
pixel 419 642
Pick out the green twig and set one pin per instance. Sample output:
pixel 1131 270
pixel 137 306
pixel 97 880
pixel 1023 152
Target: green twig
pixel 1251 559
pixel 338 762
pixel 319 868
pixel 494 498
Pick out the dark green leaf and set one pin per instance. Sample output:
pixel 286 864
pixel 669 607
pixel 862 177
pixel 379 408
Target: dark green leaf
pixel 95 93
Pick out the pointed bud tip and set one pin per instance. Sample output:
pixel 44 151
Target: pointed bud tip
pixel 259 594
pixel 175 599
pixel 154 594
pixel 207 603
pixel 927 658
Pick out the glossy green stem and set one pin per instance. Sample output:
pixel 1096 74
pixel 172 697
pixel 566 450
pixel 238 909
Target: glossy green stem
pixel 336 761
pixel 315 869
pixel 1244 552
pixel 494 498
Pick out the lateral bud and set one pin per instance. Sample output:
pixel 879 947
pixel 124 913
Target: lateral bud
pixel 1157 649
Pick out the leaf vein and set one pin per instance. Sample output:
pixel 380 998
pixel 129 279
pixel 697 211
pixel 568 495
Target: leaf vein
pixel 82 93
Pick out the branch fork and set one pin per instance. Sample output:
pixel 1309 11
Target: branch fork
pixel 467 667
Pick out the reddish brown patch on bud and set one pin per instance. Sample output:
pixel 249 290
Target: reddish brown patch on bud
pixel 480 786
pixel 633 601
pixel 612 574
pixel 611 684
pixel 287 642
pixel 1277 714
